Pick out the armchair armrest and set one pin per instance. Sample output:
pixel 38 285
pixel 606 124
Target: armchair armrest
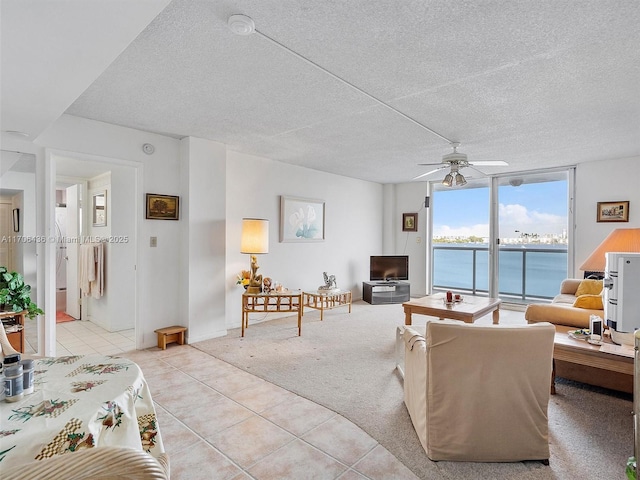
pixel 415 381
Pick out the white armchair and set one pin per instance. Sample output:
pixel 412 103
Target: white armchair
pixel 480 393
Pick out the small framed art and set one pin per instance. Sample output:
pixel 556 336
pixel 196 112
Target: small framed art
pixel 613 211
pixel 163 207
pixel 409 222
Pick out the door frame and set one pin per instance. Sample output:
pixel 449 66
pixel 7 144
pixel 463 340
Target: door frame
pixel 46 170
pixel 494 226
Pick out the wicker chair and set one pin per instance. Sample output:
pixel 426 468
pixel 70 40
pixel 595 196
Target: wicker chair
pixel 100 463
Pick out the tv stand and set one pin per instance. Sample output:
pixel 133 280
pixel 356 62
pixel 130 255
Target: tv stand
pixel 383 292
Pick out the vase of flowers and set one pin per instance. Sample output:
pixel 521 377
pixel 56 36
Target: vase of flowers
pixel 243 278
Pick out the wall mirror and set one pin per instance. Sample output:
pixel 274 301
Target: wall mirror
pixel 100 209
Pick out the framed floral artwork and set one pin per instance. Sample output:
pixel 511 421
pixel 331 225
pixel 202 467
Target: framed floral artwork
pixel 301 219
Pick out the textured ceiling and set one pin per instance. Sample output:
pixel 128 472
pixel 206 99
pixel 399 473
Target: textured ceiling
pixel 535 83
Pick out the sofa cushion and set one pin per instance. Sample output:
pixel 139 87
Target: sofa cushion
pixel 589 301
pixel 589 287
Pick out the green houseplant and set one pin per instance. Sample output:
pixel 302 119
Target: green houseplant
pixel 15 295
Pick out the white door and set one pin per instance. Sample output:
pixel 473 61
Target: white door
pixel 73 239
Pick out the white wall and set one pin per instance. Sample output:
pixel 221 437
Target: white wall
pixel 353 226
pixel 189 278
pixel 157 281
pixel 203 177
pixel 603 181
pixel 408 198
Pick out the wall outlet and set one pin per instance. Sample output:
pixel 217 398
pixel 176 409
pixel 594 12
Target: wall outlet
pixel 153 242
pixel 418 239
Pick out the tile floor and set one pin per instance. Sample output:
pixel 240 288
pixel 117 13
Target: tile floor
pixel 218 422
pixel 83 338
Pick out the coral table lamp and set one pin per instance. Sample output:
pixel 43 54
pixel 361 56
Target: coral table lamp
pixel 620 240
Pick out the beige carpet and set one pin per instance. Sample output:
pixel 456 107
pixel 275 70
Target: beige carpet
pixel 346 363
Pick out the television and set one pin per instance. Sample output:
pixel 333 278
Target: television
pixel 389 267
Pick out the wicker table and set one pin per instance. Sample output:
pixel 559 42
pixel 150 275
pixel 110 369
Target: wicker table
pixel 326 300
pixel 290 301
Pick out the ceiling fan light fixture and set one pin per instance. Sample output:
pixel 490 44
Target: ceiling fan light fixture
pixel 460 180
pixel 448 180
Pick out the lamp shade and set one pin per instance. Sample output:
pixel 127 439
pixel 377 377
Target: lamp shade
pixel 255 236
pixel 620 240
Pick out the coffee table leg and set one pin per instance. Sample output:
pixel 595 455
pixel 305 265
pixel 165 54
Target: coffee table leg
pixel 496 316
pixel 407 316
pixel 553 378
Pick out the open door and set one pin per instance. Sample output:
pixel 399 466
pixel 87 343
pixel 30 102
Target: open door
pixel 73 245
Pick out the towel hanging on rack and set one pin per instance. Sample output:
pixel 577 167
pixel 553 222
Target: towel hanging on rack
pixel 92 269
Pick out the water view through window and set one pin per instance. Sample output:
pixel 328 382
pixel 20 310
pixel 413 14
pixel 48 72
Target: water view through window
pixel 532 232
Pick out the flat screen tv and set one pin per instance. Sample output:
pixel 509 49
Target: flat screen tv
pixel 389 267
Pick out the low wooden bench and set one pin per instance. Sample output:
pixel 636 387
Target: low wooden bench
pixel 170 335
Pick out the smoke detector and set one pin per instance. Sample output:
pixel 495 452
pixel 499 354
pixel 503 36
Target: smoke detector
pixel 148 148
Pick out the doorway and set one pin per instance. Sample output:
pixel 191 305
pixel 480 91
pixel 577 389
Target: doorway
pixel 102 323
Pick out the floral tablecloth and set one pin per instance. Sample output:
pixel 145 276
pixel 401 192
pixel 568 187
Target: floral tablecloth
pixel 79 402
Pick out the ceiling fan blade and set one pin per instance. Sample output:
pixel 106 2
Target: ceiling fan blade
pixel 434 164
pixel 479 171
pixel 490 163
pixel 429 173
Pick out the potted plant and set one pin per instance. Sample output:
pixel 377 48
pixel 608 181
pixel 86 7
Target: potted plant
pixel 15 295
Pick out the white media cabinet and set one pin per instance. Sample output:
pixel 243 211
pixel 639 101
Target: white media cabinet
pixel 378 293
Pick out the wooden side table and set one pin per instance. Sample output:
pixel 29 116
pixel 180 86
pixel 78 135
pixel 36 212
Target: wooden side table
pixel 271 302
pixel 16 338
pixel 327 301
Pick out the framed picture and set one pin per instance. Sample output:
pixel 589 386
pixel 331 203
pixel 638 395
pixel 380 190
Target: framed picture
pixel 409 222
pixel 163 207
pixel 613 211
pixel 100 209
pixel 16 219
pixel 301 219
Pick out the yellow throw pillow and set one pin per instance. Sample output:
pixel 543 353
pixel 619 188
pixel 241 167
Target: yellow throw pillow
pixel 589 287
pixel 593 302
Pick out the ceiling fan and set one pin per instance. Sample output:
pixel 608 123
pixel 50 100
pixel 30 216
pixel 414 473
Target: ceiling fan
pixel 455 161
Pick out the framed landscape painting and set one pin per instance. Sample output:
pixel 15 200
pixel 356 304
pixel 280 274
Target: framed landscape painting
pixel 613 211
pixel 163 207
pixel 301 219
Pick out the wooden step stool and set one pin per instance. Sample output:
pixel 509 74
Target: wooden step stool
pixel 170 335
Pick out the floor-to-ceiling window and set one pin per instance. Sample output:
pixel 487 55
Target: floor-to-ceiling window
pixel 529 235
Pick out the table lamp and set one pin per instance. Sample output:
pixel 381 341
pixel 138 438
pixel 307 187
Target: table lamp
pixel 620 240
pixel 254 240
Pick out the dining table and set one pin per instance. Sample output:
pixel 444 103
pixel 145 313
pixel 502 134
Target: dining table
pixel 79 402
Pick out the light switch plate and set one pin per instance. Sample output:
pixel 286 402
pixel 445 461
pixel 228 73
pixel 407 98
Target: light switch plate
pixel 153 241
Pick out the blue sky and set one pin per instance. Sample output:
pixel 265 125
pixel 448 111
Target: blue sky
pixel 530 208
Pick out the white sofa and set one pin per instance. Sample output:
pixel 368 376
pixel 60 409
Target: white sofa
pixel 480 393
